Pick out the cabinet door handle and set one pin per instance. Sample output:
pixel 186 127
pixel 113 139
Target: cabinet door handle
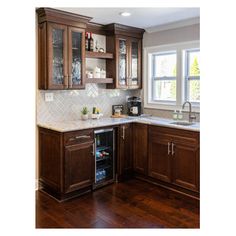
pixel 79 137
pixel 82 136
pixel 93 152
pixel 172 149
pixel 168 148
pixel 123 133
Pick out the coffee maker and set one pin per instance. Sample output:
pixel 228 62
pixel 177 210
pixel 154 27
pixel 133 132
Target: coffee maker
pixel 134 106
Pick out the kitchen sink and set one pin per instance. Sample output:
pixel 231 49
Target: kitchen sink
pixel 185 123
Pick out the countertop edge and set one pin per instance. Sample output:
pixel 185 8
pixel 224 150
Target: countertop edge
pixel 117 122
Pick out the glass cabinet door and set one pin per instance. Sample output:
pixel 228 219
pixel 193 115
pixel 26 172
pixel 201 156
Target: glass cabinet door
pixel 134 64
pixel 57 56
pixel 76 57
pixel 122 70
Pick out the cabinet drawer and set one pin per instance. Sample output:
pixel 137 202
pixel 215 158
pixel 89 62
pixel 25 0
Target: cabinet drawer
pixel 76 137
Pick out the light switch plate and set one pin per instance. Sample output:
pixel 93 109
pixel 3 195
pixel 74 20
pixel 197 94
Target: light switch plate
pixel 48 97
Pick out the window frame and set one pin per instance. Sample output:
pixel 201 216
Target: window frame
pixel 163 78
pixel 188 77
pixel 180 75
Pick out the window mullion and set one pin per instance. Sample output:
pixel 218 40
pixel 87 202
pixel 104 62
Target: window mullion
pixel 179 82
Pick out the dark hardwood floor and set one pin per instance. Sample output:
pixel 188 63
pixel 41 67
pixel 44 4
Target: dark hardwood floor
pixel 131 204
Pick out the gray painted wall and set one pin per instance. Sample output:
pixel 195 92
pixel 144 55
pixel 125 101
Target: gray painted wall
pixel 171 36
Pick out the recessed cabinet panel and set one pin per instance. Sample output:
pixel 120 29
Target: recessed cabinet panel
pixel 186 167
pixel 57 44
pixel 140 146
pixel 134 63
pixel 159 160
pixel 125 157
pixel 57 60
pixel 122 72
pixel 76 57
pixel 79 166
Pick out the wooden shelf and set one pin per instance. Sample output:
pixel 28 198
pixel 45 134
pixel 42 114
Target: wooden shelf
pixel 101 55
pixel 99 80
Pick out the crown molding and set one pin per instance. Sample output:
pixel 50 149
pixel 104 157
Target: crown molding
pixel 174 25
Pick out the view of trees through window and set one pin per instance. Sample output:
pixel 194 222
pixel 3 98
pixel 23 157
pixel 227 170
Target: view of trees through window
pixel 165 72
pixel 165 77
pixel 194 77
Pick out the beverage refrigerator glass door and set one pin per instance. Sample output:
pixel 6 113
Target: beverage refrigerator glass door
pixel 104 156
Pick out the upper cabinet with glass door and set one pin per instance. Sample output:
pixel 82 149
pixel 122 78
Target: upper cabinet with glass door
pixel 61 49
pixel 129 64
pixel 126 67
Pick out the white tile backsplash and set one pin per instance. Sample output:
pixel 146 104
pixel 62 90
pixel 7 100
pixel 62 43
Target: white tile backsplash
pixel 67 104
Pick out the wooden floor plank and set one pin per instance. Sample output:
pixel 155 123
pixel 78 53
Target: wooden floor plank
pixel 131 204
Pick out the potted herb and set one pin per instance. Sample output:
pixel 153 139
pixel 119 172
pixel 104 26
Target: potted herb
pixel 84 113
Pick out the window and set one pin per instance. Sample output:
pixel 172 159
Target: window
pixel 172 75
pixel 192 75
pixel 164 77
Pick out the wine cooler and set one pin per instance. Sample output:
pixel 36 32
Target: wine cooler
pixel 104 154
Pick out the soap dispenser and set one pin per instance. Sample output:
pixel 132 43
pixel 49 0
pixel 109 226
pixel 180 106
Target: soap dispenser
pixel 175 115
pixel 180 115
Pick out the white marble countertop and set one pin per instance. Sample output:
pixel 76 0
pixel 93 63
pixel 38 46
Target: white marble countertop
pixel 102 122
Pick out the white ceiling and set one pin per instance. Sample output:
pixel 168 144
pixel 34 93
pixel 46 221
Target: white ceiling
pixel 140 17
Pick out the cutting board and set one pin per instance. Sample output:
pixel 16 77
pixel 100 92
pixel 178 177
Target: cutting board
pixel 118 116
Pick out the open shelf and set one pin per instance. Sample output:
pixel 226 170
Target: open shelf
pixel 101 148
pixel 103 158
pixel 99 80
pixel 101 55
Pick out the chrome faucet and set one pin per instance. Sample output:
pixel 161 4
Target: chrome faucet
pixel 191 117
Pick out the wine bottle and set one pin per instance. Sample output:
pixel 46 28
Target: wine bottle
pixel 86 42
pixel 91 43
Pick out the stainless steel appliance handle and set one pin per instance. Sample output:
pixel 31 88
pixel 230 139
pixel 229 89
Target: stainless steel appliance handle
pixel 93 152
pixel 168 148
pixel 102 131
pixel 173 149
pixel 123 133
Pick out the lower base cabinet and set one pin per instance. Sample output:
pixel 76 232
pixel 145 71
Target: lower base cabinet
pixel 140 148
pixel 174 157
pixel 165 156
pixel 77 159
pixel 124 150
pixel 66 162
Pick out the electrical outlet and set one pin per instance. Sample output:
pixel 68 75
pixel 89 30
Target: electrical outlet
pixel 48 97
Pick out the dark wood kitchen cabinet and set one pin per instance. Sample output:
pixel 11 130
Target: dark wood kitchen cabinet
pixel 61 49
pixel 140 148
pixel 124 150
pixel 174 157
pixel 159 166
pixel 126 43
pixel 66 162
pixel 79 166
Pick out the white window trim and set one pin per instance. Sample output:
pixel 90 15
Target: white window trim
pixel 147 73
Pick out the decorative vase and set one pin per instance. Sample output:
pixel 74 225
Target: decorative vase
pixel 84 117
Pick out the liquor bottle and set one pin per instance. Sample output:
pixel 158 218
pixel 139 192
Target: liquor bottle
pixel 91 43
pixel 86 42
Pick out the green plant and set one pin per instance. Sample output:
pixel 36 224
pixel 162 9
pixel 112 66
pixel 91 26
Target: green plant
pixel 84 111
